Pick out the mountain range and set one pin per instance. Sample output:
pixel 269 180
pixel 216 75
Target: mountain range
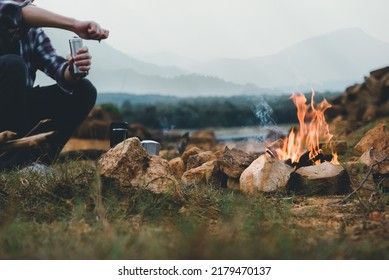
pixel 328 62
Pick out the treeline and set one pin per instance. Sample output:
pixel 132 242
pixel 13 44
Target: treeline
pixel 202 112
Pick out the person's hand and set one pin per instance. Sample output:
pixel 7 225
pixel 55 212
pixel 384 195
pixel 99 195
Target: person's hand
pixel 90 30
pixel 82 59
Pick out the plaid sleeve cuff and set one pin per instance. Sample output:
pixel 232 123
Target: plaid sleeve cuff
pixel 60 78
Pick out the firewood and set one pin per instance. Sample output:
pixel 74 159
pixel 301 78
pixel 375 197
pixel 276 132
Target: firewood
pixel 306 160
pixel 26 142
pixel 323 179
pixel 6 136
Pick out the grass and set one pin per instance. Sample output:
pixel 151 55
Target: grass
pixel 74 215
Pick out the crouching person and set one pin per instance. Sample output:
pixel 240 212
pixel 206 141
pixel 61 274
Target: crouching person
pixel 24 49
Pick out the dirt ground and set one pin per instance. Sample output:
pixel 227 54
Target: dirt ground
pixel 332 217
pixel 85 144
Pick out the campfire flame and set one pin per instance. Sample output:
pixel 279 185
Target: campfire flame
pixel 313 130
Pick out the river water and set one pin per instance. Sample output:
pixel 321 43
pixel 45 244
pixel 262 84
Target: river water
pixel 249 139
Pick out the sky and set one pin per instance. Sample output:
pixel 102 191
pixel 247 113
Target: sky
pixel 210 29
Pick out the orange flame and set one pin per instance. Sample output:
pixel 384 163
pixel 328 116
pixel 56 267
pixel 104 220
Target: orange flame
pixel 312 131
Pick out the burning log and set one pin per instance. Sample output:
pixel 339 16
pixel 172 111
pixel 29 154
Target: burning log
pixel 322 179
pixel 325 153
pixel 306 160
pixel 312 131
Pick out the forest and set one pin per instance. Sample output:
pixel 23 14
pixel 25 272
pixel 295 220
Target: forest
pixel 168 112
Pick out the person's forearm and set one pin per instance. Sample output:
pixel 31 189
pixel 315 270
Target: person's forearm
pixel 38 17
pixel 68 77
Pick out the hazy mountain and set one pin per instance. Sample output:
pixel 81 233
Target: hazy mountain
pixel 114 71
pixel 329 61
pixel 169 59
pixel 109 58
pixel 130 81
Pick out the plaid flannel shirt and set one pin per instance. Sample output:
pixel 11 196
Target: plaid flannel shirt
pixel 35 46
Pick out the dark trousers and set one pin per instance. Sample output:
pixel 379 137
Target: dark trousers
pixel 21 108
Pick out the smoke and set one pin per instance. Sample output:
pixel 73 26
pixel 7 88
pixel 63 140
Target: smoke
pixel 263 111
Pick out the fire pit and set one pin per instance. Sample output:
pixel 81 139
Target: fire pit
pixel 310 150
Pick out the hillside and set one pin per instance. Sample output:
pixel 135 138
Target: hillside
pixel 330 61
pixel 114 71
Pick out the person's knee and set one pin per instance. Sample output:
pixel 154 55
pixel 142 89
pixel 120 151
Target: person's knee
pixel 87 92
pixel 13 69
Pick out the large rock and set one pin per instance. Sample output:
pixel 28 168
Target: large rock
pixel 199 175
pixel 265 174
pixel 177 167
pixel 233 162
pixel 199 159
pixel 131 166
pixel 190 152
pixel 377 138
pixel 322 179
